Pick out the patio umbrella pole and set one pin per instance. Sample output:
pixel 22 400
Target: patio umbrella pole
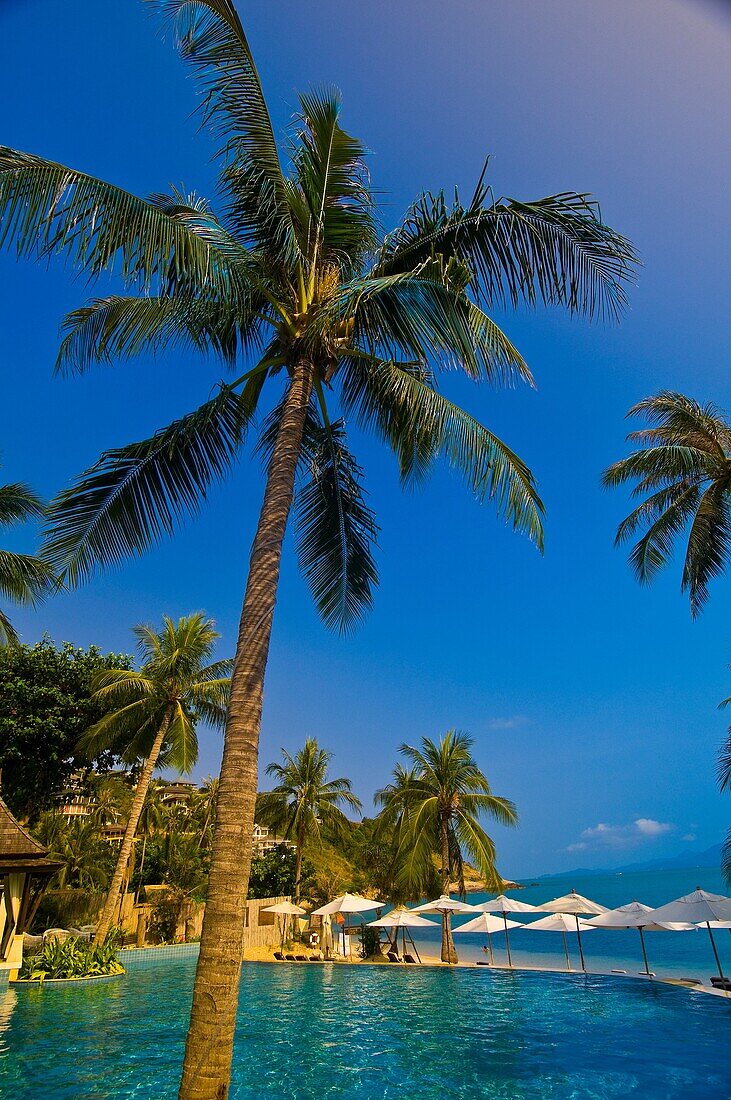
pixel 566 951
pixel 578 936
pixel 507 940
pixel 644 952
pixel 715 952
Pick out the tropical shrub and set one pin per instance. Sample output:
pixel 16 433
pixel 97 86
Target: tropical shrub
pixel 370 942
pixel 165 916
pixel 72 958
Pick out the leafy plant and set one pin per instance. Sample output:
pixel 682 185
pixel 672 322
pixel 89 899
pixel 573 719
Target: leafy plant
pixel 370 942
pixel 165 915
pixel 72 958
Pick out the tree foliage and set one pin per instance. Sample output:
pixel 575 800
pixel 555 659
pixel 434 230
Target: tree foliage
pixel 46 706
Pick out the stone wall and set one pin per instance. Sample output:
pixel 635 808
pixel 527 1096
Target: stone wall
pixel 260 929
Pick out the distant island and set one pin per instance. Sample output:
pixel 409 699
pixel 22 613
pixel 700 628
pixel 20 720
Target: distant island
pixel 709 857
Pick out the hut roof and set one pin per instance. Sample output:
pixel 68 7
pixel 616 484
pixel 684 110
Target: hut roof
pixel 15 842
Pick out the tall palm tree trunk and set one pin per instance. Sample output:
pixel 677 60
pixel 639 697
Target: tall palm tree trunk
pixel 298 864
pixel 209 1046
pixel 449 952
pixel 125 850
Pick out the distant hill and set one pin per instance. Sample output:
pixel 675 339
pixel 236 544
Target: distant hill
pixel 709 857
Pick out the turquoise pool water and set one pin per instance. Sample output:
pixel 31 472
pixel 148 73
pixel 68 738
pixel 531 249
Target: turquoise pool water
pixel 373 1032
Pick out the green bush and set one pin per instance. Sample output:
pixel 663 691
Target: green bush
pixel 165 915
pixel 73 958
pixel 69 907
pixel 370 941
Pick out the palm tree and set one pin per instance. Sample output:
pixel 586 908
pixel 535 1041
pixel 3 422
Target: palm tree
pixel 150 822
pixel 682 470
pixel 294 281
pixel 153 714
pixel 23 578
pixel 436 804
pixel 724 783
pixel 304 800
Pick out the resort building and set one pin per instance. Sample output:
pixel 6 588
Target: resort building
pixel 25 871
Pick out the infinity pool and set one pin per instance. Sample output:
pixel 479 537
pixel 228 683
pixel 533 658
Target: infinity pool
pixel 371 1032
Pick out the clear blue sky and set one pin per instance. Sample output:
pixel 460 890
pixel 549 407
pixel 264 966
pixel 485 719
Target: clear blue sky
pixel 591 701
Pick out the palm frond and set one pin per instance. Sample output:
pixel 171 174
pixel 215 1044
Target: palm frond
pixel 119 327
pixel 336 531
pixel 709 543
pixel 210 37
pixel 48 209
pixel 556 249
pixel 136 494
pixel 440 427
pixel 18 502
pixel 330 171
pixel 8 634
pixel 181 742
pixel 24 578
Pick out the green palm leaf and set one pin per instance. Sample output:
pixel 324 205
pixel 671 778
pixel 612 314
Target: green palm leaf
pixel 138 492
pixel 336 531
pixel 49 209
pixel 556 249
pixel 210 37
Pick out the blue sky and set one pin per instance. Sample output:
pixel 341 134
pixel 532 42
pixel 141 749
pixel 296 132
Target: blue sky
pixel 591 701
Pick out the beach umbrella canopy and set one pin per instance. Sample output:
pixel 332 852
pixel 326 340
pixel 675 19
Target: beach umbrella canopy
pixel 347 903
pixel 563 923
pixel 573 903
pixel 700 907
pixel 285 907
pixel 635 915
pixel 401 918
pixel 445 904
pixel 501 904
pixel 487 923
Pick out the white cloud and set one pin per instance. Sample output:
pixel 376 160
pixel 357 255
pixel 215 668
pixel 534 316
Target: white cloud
pixel 621 836
pixel 690 837
pixel 512 722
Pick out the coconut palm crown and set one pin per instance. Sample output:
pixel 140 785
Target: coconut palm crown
pixel 682 470
pixel 304 800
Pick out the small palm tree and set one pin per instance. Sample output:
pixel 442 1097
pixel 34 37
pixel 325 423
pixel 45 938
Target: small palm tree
pixel 682 470
pixel 304 800
pixel 436 804
pixel 153 716
pixel 23 578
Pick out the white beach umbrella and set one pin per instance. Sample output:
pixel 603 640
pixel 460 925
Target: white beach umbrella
pixel 578 905
pixel 445 906
pixel 347 903
pixel 635 915
pixel 485 922
pixel 284 909
pixel 488 924
pixel 700 907
pixel 402 918
pixel 504 905
pixel 563 923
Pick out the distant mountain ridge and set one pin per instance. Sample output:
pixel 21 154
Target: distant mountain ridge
pixel 709 857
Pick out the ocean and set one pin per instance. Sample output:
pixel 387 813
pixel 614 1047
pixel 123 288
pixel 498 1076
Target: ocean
pixel 679 954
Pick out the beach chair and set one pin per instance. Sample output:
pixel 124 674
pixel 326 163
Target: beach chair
pixel 279 956
pixel 409 959
pixel 300 958
pixel 290 958
pixel 393 957
pixel 721 983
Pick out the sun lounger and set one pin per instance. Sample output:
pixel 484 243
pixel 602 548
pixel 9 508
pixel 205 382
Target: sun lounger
pixel 290 958
pixel 316 958
pixel 409 959
pixel 279 955
pixel 483 962
pixel 721 983
pixel 301 958
pixel 392 957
